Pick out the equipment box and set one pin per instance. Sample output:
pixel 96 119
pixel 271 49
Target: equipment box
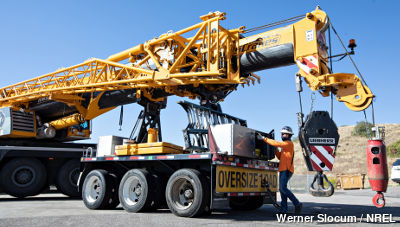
pixel 234 139
pixel 106 145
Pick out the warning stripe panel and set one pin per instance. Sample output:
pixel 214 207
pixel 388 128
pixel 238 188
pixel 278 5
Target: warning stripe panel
pixel 147 157
pixel 315 166
pixel 165 157
pixel 324 157
pixel 194 156
pixel 303 67
pixel 307 63
pixel 266 165
pixel 324 160
pixel 317 161
pixel 88 159
pixel 330 150
pixel 246 194
pixel 326 153
pixel 136 157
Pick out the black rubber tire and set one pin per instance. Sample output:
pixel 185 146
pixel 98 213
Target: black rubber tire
pixel 103 198
pixel 136 191
pixel 246 202
pixel 67 178
pixel 21 177
pixel 187 194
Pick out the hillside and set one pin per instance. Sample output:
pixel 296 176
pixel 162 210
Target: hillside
pixel 351 152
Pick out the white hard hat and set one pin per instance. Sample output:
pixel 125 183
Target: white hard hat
pixel 287 130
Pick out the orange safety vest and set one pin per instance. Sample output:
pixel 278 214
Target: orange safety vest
pixel 286 156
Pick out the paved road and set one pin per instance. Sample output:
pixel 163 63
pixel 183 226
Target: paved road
pixel 54 209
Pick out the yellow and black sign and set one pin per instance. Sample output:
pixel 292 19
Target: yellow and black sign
pixel 237 179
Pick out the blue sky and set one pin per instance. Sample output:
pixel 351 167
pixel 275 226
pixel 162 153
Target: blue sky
pixel 38 37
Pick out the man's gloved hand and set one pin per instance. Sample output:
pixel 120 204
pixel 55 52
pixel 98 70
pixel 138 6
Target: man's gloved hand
pixel 260 137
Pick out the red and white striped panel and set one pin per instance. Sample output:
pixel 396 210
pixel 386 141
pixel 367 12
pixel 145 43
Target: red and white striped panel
pixel 308 63
pixel 322 157
pixel 246 193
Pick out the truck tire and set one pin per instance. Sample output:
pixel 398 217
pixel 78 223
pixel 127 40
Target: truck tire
pixel 67 178
pixel 246 202
pixel 187 194
pixel 21 177
pixel 98 190
pixel 137 191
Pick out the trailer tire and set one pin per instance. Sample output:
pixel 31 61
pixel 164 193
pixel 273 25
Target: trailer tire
pixel 246 202
pixel 21 177
pixel 187 194
pixel 136 191
pixel 97 190
pixel 67 178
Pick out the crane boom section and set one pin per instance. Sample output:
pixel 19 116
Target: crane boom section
pixel 304 43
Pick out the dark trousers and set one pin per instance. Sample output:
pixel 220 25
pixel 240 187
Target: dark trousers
pixel 284 178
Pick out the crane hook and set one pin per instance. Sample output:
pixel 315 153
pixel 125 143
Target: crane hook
pixel 379 200
pixel 321 191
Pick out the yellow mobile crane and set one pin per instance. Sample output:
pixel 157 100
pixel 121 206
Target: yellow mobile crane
pixel 57 107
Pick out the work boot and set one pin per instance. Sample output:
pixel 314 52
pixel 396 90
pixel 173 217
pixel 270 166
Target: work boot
pixel 297 209
pixel 282 212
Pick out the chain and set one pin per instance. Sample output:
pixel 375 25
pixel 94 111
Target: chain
pixel 121 117
pixel 366 125
pixel 312 101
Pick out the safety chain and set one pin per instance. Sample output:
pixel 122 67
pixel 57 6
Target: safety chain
pixel 312 101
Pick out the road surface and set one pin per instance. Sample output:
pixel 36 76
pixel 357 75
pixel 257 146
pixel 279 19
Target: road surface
pixel 53 209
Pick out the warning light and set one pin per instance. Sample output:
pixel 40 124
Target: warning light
pixel 352 44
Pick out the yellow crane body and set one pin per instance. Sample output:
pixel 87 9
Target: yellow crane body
pixel 207 65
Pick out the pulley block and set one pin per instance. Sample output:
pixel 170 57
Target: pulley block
pixel 319 138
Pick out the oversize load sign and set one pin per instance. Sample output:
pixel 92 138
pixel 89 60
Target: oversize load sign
pixel 237 179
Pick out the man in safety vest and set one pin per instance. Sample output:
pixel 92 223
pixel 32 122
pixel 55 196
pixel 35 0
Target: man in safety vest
pixel 286 167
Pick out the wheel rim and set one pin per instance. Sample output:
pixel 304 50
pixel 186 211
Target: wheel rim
pixel 23 176
pixel 182 193
pixel 93 189
pixel 73 177
pixel 132 190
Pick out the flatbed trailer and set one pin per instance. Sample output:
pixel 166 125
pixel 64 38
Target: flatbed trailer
pixel 188 184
